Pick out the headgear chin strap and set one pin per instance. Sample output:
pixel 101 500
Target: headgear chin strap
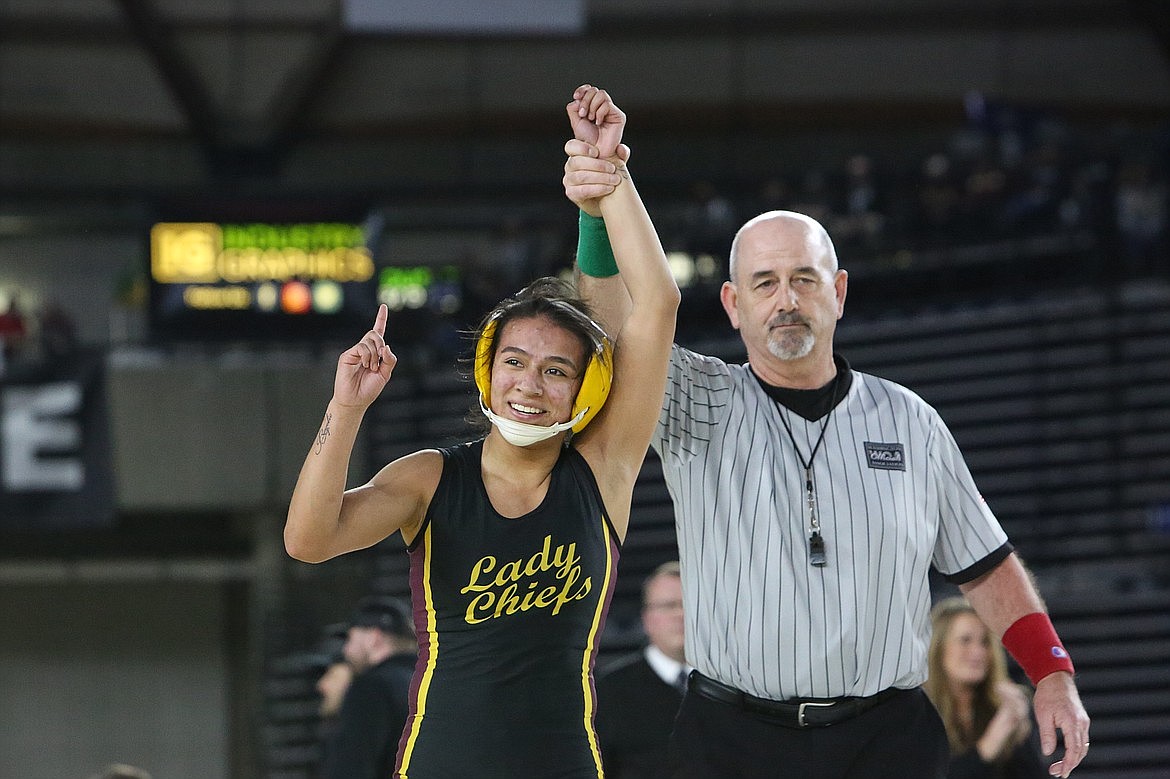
pixel 595 384
pixel 524 434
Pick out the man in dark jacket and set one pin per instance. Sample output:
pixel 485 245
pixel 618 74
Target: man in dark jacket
pixel 638 696
pixel 381 646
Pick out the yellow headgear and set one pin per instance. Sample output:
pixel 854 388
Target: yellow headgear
pixel 595 384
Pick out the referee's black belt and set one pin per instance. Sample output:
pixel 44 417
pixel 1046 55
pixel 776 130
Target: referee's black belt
pixel 812 713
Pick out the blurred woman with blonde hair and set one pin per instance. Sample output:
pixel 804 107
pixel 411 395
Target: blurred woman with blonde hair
pixel 987 715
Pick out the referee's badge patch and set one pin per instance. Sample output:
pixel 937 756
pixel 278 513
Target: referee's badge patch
pixel 885 457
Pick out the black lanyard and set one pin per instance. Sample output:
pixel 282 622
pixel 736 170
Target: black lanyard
pixel 816 543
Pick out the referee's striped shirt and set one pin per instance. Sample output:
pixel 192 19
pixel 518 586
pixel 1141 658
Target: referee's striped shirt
pixel 894 495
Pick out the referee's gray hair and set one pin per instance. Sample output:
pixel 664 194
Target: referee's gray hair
pixel 816 231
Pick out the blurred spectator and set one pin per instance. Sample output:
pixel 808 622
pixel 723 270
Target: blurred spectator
pixel 984 192
pixel 814 198
pixel 335 677
pixel 13 332
pixel 1033 208
pixel 1141 218
pixel 861 195
pixel 987 716
pixel 1087 204
pixel 1008 126
pixel 938 201
pixel 711 220
pixel 516 253
pixel 638 697
pixel 332 686
pixel 860 222
pixel 382 649
pixel 483 284
pixel 57 332
pixel 774 194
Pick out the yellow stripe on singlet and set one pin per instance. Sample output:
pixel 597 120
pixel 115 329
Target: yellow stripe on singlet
pixel 433 641
pixel 586 660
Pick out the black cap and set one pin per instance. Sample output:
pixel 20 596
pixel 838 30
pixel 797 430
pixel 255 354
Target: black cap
pixel 390 615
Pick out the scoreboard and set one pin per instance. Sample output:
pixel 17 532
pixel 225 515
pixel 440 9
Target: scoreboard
pixel 246 281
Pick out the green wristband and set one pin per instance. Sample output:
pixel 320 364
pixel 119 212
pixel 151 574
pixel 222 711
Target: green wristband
pixel 594 254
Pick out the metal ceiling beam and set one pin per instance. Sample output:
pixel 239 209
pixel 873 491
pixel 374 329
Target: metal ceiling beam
pixel 303 90
pixel 185 86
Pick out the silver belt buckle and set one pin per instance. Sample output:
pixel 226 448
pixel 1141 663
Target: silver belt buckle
pixel 800 711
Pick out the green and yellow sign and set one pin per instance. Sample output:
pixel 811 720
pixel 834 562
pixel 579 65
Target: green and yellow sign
pixel 306 270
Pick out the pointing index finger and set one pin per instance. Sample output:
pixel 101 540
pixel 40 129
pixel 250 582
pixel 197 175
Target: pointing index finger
pixel 380 320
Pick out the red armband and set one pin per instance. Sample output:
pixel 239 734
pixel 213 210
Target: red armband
pixel 1033 642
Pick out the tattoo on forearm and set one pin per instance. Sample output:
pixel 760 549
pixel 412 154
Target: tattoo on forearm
pixel 324 432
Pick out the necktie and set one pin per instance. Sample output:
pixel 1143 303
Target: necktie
pixel 680 683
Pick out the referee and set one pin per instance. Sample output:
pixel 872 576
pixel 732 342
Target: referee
pixel 811 500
